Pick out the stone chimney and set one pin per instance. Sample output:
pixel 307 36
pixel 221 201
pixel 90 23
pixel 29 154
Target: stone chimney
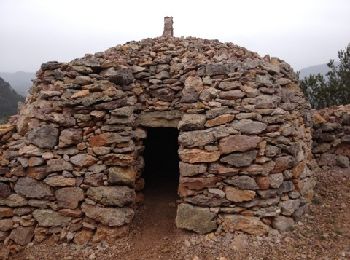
pixel 168 27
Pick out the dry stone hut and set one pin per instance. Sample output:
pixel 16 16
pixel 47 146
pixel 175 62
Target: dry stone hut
pixel 74 163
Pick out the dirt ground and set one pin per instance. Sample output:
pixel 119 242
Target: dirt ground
pixel 323 233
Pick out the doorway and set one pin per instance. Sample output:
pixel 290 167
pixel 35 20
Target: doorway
pixel 154 226
pixel 161 172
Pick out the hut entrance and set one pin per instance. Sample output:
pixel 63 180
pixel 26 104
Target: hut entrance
pixel 161 172
pixel 155 222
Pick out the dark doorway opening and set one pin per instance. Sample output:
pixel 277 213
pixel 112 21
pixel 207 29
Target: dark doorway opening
pixel 161 172
pixel 156 216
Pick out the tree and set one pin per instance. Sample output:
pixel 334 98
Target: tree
pixel 332 89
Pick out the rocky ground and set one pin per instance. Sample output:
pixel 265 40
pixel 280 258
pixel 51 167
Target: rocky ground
pixel 324 233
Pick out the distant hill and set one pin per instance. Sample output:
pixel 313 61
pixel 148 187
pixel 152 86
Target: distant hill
pixel 8 100
pixel 317 69
pixel 20 80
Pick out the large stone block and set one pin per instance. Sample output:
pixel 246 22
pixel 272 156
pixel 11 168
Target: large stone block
pixel 237 195
pixel 240 159
pixel 198 156
pixel 58 165
pixel 200 220
pixel 22 235
pixel 250 127
pixel 45 136
pixel 243 182
pixel 50 218
pixel 69 197
pixel 60 181
pixel 31 188
pixel 112 195
pixel 192 89
pixel 192 122
pixel 107 138
pixel 196 138
pixel 188 170
pixel 109 216
pixel 70 137
pixel 83 160
pixel 238 143
pixel 122 175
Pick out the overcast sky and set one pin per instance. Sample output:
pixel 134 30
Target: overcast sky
pixel 302 32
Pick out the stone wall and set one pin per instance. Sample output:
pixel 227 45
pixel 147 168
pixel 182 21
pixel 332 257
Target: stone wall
pixel 331 136
pixel 73 169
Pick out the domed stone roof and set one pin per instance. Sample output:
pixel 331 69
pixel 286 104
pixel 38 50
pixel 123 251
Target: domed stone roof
pixel 244 137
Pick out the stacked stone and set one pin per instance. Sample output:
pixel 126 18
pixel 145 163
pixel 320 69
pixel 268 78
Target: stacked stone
pixel 331 136
pixel 74 167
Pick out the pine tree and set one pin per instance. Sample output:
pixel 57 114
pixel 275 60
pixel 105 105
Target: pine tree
pixel 332 89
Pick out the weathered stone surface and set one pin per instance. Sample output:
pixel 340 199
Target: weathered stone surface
pixel 80 94
pixel 109 216
pixel 283 223
pixel 160 118
pixel 237 195
pixel 250 127
pixel 5 190
pixel 196 184
pixel 58 165
pixel 122 175
pixel 69 197
pixel 272 151
pixel 70 137
pixel 220 120
pixel 231 94
pixel 342 161
pixel 83 160
pixel 200 220
pixel 22 235
pixel 45 136
pixel 283 163
pixel 240 159
pixel 238 143
pixel 13 200
pixel 198 156
pixel 6 212
pixel 193 88
pixel 118 159
pixel 50 218
pixel 263 182
pixel 267 101
pixel 122 76
pixel 196 138
pixel 286 186
pixel 208 200
pixel 243 182
pixel 289 207
pixel 250 225
pixel 276 180
pixel 188 170
pixel 31 188
pixel 112 195
pixel 60 181
pixel 192 122
pixel 29 150
pixel 35 161
pixel 107 138
pixel 6 224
